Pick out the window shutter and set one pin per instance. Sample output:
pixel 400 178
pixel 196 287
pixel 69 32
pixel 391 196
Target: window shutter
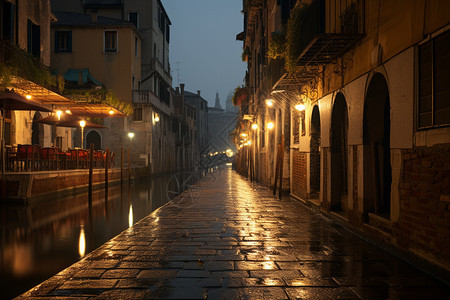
pixel 69 41
pixel 29 35
pixel 57 36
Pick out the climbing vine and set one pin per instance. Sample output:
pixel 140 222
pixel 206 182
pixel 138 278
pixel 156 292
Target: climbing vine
pixel 240 95
pixel 18 62
pixel 286 44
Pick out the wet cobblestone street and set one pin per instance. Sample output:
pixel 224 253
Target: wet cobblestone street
pixel 227 238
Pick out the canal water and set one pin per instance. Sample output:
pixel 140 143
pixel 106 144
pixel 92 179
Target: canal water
pixel 46 236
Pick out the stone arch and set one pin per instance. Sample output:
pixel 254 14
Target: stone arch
pixel 376 139
pixel 37 130
pixel 314 180
pixel 94 137
pixel 339 154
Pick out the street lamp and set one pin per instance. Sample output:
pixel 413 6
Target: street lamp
pixel 300 107
pixel 270 102
pixel 254 126
pixel 270 125
pixel 82 124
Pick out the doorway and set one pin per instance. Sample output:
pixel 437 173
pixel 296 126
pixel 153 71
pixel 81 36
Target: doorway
pixel 93 137
pixel 314 181
pixel 339 154
pixel 377 156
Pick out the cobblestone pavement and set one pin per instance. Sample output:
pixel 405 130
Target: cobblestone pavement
pixel 227 238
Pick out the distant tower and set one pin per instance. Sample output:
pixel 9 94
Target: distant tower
pixel 229 104
pixel 217 106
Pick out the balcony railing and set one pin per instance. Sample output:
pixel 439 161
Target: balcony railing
pixel 147 97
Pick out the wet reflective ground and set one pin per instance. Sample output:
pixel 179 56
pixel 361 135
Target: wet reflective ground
pixel 40 239
pixel 227 238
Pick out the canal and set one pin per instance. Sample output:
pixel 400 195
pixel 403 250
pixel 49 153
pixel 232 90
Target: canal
pixel 43 237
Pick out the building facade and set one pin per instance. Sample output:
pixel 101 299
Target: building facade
pixel 359 99
pixel 26 27
pixel 148 86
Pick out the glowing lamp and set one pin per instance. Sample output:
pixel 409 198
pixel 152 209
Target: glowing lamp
pixel 270 102
pixel 300 107
pixel 270 125
pixel 254 126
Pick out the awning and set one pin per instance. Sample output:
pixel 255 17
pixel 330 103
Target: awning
pixel 75 75
pixel 326 47
pixel 56 101
pixel 323 49
pixel 99 110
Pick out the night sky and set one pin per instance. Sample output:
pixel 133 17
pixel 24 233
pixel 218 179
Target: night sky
pixel 203 42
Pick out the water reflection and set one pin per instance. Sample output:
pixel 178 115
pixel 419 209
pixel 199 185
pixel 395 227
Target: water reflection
pixel 42 238
pixel 130 216
pixel 82 242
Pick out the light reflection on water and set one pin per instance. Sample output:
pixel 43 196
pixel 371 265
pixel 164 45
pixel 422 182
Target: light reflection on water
pixel 44 237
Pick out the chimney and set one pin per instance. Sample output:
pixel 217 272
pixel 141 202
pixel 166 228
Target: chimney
pixel 182 88
pixel 177 89
pixel 198 92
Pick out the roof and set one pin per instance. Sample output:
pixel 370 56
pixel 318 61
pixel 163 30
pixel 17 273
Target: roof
pixel 74 75
pixel 77 19
pixel 103 3
pixel 44 96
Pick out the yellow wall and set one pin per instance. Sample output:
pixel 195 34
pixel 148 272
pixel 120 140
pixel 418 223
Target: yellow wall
pixel 114 70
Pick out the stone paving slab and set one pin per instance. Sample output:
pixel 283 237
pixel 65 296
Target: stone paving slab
pixel 227 238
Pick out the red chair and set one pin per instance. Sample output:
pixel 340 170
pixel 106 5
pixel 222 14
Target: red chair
pixel 24 156
pixel 48 158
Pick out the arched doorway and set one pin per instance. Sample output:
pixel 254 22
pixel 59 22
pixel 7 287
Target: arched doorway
pixel 377 157
pixel 314 181
pixel 339 154
pixel 37 130
pixel 93 137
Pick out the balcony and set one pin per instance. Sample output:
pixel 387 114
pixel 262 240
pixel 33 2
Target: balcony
pixel 148 98
pixel 318 46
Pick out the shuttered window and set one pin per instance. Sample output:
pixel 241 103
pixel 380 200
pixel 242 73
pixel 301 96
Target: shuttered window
pixel 434 78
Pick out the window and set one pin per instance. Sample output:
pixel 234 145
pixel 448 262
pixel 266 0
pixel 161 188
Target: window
pixel 7 29
pixel 33 39
pixel 110 41
pixel 434 76
pixel 63 41
pixel 132 82
pixel 133 17
pixel 137 114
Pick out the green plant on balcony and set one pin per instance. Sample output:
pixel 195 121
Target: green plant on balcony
pixel 99 96
pixel 240 95
pixel 286 44
pixel 16 62
pixel 277 45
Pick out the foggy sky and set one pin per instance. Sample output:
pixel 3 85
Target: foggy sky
pixel 203 41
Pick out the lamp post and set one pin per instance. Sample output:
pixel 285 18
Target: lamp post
pixel 130 135
pixel 82 124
